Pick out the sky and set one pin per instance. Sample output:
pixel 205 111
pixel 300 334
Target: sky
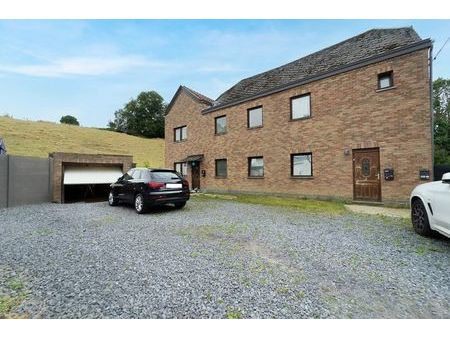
pixel 91 68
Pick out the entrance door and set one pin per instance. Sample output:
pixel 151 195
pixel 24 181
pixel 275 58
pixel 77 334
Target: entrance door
pixel 366 175
pixel 195 171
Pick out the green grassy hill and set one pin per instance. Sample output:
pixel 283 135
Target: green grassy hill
pixel 30 138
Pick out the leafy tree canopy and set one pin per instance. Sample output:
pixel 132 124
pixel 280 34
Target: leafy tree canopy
pixel 143 116
pixel 441 110
pixel 69 119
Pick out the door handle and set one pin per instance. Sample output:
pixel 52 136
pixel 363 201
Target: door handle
pixel 378 176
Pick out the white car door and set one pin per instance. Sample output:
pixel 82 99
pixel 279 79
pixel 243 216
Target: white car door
pixel 440 195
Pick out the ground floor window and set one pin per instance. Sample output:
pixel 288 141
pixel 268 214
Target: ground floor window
pixel 301 165
pixel 181 167
pixel 256 166
pixel 221 167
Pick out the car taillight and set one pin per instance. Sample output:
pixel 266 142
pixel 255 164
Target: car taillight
pixel 155 185
pixel 185 184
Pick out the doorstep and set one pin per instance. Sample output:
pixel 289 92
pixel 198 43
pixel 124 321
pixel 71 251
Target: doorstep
pixel 378 210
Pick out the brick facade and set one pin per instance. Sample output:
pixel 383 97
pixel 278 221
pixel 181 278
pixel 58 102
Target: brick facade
pixel 61 159
pixel 347 112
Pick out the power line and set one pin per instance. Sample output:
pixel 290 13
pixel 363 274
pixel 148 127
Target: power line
pixel 441 48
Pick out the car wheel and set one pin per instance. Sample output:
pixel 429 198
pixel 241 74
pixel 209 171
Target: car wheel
pixel 180 205
pixel 139 204
pixel 419 218
pixel 112 200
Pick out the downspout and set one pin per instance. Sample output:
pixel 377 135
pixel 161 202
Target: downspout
pixel 430 61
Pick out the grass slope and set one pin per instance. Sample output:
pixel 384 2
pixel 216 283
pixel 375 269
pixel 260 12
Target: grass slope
pixel 30 138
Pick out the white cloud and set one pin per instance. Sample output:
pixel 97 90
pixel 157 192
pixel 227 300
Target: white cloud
pixel 96 65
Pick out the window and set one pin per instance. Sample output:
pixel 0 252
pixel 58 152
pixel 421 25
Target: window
pixel 129 175
pixel 164 176
pixel 221 125
pixel 255 117
pixel 301 106
pixel 181 167
pixel 221 168
pixel 301 165
pixel 180 134
pixel 137 174
pixel 385 80
pixel 256 166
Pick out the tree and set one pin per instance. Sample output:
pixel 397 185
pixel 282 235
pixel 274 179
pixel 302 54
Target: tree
pixel 69 119
pixel 441 110
pixel 143 116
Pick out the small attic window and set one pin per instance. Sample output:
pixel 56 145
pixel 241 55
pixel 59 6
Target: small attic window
pixel 385 80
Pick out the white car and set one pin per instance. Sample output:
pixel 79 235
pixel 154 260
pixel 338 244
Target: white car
pixel 430 207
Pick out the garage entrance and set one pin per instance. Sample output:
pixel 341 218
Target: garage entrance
pixel 85 177
pixel 88 183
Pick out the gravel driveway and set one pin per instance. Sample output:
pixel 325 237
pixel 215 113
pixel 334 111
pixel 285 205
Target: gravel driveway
pixel 217 259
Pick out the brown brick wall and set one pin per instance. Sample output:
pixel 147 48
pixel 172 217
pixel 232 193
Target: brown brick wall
pixel 61 159
pixel 347 113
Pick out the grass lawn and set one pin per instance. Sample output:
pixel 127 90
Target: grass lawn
pixel 306 205
pixel 31 138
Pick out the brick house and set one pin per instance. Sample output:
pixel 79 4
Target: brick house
pixel 351 121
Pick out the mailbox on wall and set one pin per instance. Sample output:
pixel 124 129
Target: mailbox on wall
pixel 424 174
pixel 389 174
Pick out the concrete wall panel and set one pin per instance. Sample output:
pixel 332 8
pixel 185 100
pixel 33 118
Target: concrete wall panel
pixel 3 181
pixel 29 180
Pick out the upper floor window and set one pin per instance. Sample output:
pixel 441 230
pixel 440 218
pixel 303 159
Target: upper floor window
pixel 255 117
pixel 301 164
pixel 221 168
pixel 180 134
pixel 256 166
pixel 181 167
pixel 385 80
pixel 221 124
pixel 301 107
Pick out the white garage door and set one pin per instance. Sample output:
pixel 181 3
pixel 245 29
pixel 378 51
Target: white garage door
pixel 91 175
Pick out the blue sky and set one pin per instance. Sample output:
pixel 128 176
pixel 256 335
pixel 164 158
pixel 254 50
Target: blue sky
pixel 89 69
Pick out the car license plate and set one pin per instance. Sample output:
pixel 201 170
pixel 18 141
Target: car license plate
pixel 173 185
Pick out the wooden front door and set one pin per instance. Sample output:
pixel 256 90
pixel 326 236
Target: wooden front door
pixel 366 175
pixel 195 170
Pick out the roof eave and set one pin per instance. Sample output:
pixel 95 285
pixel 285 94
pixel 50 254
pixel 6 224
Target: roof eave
pixel 188 92
pixel 426 43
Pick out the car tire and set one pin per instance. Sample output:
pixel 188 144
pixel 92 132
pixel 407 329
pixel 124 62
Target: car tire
pixel 139 204
pixel 112 200
pixel 419 218
pixel 180 205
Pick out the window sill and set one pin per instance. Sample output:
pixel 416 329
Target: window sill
pixel 257 127
pixel 255 177
pixel 221 177
pixel 385 89
pixel 302 177
pixel 181 141
pixel 300 118
pixel 220 134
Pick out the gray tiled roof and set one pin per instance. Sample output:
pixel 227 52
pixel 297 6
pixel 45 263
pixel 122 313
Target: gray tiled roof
pixel 357 48
pixel 198 96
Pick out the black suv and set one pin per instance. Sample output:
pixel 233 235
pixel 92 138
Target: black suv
pixel 145 187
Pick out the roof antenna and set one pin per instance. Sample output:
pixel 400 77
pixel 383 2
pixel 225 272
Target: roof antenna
pixel 441 48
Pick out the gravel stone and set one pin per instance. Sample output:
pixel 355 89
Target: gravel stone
pixel 220 259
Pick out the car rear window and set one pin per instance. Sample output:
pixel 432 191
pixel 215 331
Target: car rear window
pixel 165 176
